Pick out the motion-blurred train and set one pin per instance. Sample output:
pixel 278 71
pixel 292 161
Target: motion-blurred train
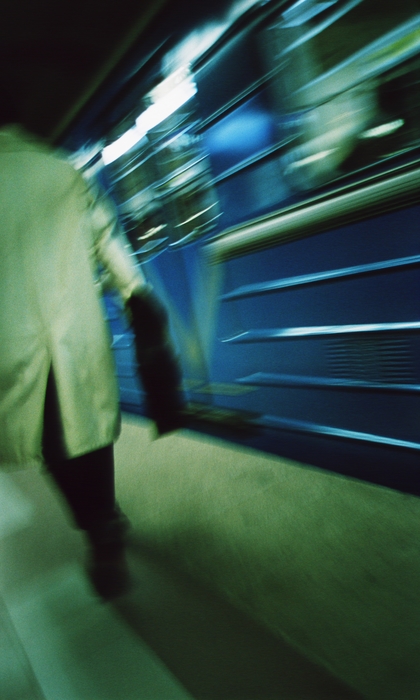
pixel 264 160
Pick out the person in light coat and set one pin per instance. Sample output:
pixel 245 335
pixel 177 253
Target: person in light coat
pixel 58 389
pixel 53 234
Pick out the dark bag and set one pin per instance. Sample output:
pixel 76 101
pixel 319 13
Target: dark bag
pixel 158 365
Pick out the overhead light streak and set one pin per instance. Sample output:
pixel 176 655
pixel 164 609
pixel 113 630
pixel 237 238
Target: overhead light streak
pixel 123 144
pixel 164 104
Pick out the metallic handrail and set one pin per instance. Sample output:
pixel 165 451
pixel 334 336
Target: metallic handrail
pixel 339 208
pixel 310 428
pixel 265 335
pixel 252 290
pixel 279 381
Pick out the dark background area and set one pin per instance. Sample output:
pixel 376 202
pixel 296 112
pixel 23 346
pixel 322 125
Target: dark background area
pixel 58 59
pixel 54 56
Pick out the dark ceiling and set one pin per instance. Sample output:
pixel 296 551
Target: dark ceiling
pixel 67 63
pixel 55 55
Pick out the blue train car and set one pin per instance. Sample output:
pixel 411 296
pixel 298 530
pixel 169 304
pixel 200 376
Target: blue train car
pixel 264 159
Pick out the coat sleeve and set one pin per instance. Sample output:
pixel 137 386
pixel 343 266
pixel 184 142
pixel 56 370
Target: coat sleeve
pixel 111 247
pixel 158 364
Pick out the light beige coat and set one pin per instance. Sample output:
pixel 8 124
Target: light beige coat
pixel 53 232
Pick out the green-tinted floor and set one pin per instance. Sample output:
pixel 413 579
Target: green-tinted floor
pixel 168 639
pixel 251 577
pixel 330 564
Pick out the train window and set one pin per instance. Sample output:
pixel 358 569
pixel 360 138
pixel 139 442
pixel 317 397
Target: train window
pixel 131 177
pixel 332 90
pixel 347 75
pixel 184 178
pixel 159 172
pixel 241 134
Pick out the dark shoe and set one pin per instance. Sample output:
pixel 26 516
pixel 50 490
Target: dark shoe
pixel 108 571
pixel 107 566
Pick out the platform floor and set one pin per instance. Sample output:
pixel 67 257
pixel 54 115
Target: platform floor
pixel 328 563
pixel 182 632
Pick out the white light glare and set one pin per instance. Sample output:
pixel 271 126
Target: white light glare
pixel 160 110
pixel 166 105
pixel 310 159
pixel 122 145
pixel 383 129
pixel 303 11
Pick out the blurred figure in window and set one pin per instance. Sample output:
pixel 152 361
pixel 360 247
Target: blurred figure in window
pixel 329 134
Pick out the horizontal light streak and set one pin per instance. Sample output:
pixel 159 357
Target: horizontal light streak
pixel 383 129
pixel 299 381
pixel 318 277
pixel 310 159
pixel 270 334
pixel 374 197
pixel 330 431
pixel 195 216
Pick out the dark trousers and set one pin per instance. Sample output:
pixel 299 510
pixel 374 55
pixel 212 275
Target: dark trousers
pixel 86 482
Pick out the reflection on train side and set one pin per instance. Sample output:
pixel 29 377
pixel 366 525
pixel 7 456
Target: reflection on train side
pixel 342 78
pixel 349 75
